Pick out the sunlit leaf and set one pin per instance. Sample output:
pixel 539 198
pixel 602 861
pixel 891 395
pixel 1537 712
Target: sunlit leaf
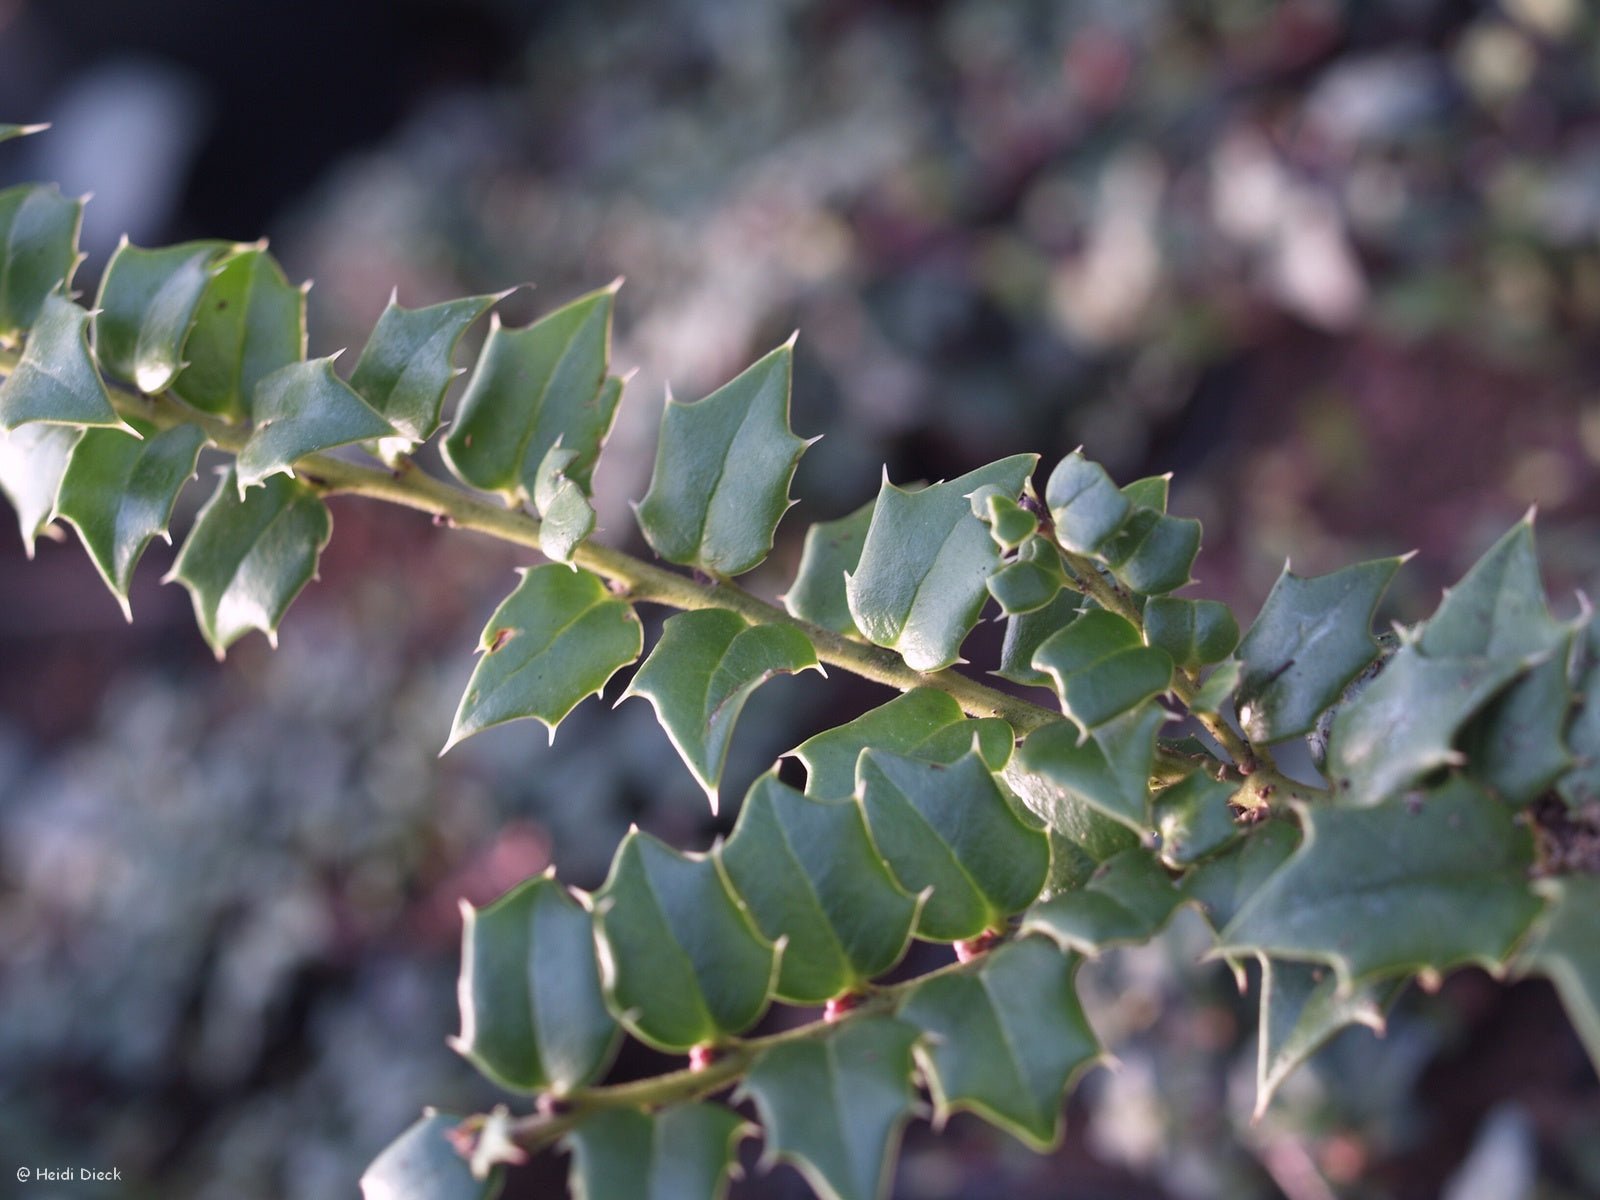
pixel 33 463
pixel 148 302
pixel 566 517
pixel 250 322
pixel 56 381
pixel 1196 633
pixel 38 248
pixel 406 366
pixel 303 409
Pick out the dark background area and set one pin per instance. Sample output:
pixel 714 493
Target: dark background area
pixel 1334 264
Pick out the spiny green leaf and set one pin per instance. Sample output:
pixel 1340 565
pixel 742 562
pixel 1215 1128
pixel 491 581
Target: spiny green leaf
pixel 923 723
pixel 948 827
pixel 809 873
pixel 1196 633
pixel 1193 818
pixel 56 381
pixel 1498 609
pixel 681 962
pixel 1110 769
pixel 1516 746
pixel 422 1164
pixel 920 585
pixel 1313 636
pixel 250 322
pixel 303 409
pixel 1009 523
pixel 119 493
pixel 1397 888
pixel 1581 785
pixel 1030 582
pixel 1081 836
pixel 1101 669
pixel 7 132
pixel 723 467
pixel 532 1015
pixel 38 249
pixel 1005 1041
pixel 1126 901
pixel 1152 553
pixel 702 671
pixel 1149 492
pixel 530 387
pixel 679 1153
pixel 832 550
pixel 406 368
pixel 552 642
pixel 835 1106
pixel 565 515
pixel 1405 723
pixel 1220 886
pixel 1565 948
pixel 1085 505
pixel 1301 1008
pixel 247 558
pixel 148 303
pixel 33 462
pixel 1026 633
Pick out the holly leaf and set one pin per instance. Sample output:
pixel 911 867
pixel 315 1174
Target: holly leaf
pixel 1125 902
pixel 566 517
pixel 1195 633
pixel 38 249
pixel 701 672
pixel 680 1153
pixel 1026 633
pixel 1085 505
pixel 119 492
pixel 1031 581
pixel 1193 819
pixel 835 1107
pixel 33 462
pixel 923 723
pixel 809 873
pixel 55 381
pixel 406 366
pixel 532 1015
pixel 7 132
pixel 1404 724
pixel 681 963
pixel 1516 747
pixel 1581 785
pixel 1498 609
pixel 832 550
pixel 1109 770
pixel 1005 1041
pixel 303 409
pixel 250 322
pixel 149 301
pixel 949 828
pixel 1565 949
pixel 1101 669
pixel 1396 888
pixel 722 474
pixel 1149 492
pixel 553 641
pixel 532 386
pixel 1081 836
pixel 921 582
pixel 1313 637
pixel 1010 525
pixel 1302 1007
pixel 1222 885
pixel 1153 553
pixel 423 1164
pixel 248 557
pixel 1218 689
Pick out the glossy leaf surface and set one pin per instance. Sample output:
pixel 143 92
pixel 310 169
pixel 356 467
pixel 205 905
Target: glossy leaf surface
pixel 33 463
pixel 246 559
pixel 1086 506
pixel 1110 769
pixel 148 302
pixel 303 409
pixel 921 582
pixel 553 641
pixel 56 381
pixel 119 492
pixel 532 1015
pixel 949 828
pixel 722 473
pixel 832 550
pixel 681 962
pixel 38 249
pixel 702 671
pixel 250 322
pixel 1006 1040
pixel 835 1106
pixel 566 517
pixel 680 1153
pixel 406 366
pixel 422 1164
pixel 1026 633
pixel 1195 633
pixel 809 873
pixel 1101 669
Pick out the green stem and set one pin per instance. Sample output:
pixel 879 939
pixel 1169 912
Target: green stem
pixel 733 1061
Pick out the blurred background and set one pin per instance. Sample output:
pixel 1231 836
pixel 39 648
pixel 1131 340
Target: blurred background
pixel 1334 263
